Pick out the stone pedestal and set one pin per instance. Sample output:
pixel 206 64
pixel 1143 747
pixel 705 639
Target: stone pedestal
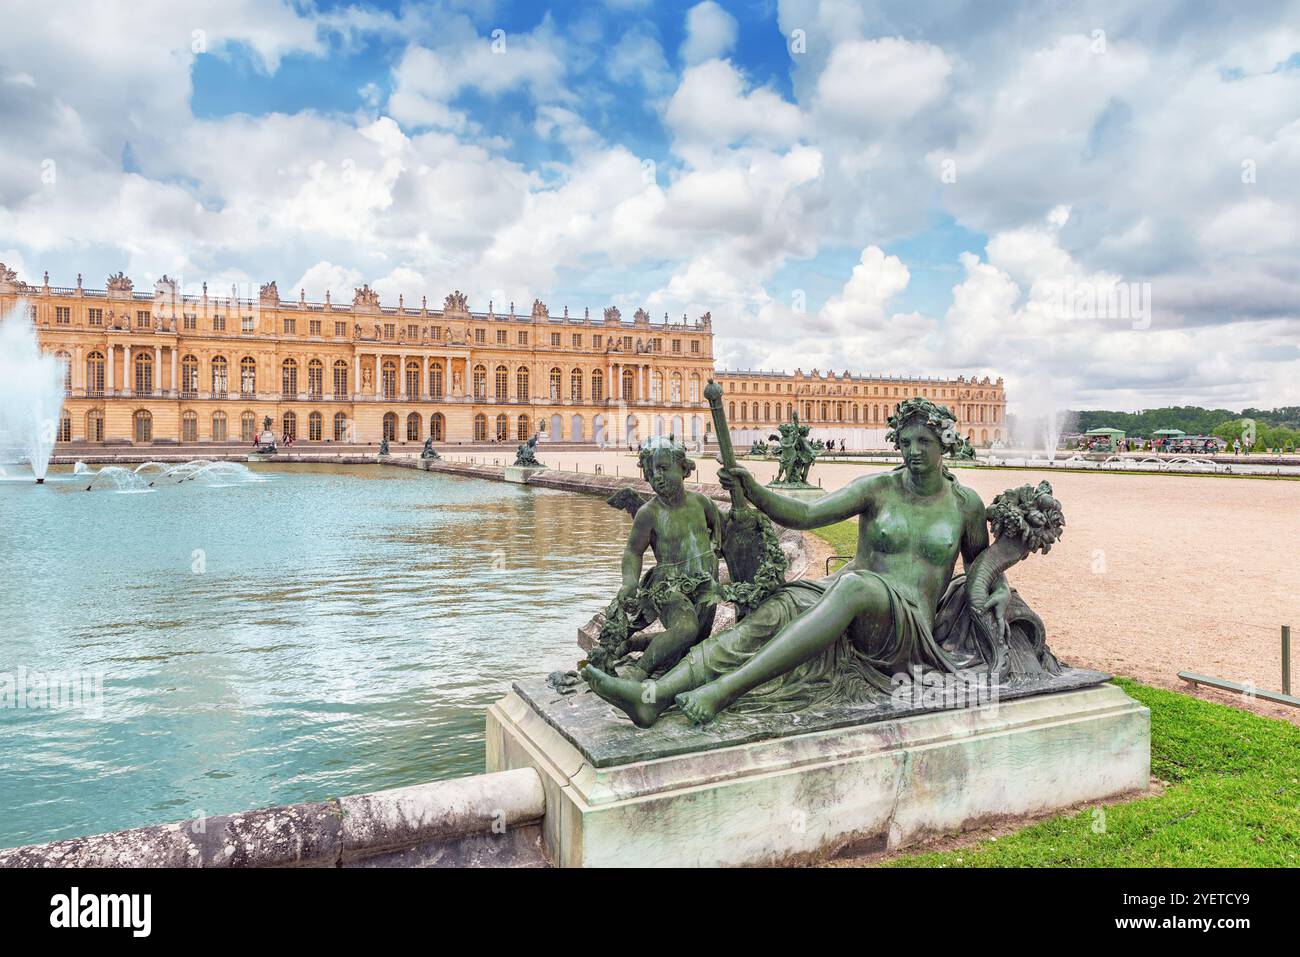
pixel 519 473
pixel 784 789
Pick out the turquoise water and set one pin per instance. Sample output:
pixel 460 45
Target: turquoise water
pixel 329 631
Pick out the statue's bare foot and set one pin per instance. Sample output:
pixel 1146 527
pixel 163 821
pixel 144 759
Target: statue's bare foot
pixel 628 696
pixel 633 673
pixel 702 704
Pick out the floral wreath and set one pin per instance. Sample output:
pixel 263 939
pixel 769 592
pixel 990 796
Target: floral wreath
pixel 939 419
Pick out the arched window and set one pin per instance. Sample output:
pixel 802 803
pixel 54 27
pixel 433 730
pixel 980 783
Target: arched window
pixel 65 428
pixel 597 386
pixel 289 425
pixel 437 427
pixel 503 428
pixel 95 425
pixel 143 420
pixel 677 387
pixel 289 378
pixel 390 381
pixel 413 381
pixel 695 387
pixel 95 376
pixel 629 384
pixel 248 376
pixel 521 429
pixel 315 378
pixel 501 382
pixel 731 411
pixel 414 428
pixel 480 424
pixel 577 429
pixel 522 391
pixel 189 384
pixel 435 381
pixel 557 383
pixel 247 427
pixel 220 377
pixel 144 377
pixel 315 426
pixel 66 359
pixel 190 426
pixel 480 388
pixel 340 378
pixel 390 426
pixel 219 427
pixel 575 385
pixel 657 386
pixel 340 427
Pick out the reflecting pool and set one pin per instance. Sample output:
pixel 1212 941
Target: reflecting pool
pixel 328 631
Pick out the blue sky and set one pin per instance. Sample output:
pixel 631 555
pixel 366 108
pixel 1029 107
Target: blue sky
pixel 936 189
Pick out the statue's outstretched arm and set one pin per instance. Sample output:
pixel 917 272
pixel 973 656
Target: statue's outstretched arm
pixel 836 506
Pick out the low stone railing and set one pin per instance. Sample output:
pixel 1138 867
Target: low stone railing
pixel 485 819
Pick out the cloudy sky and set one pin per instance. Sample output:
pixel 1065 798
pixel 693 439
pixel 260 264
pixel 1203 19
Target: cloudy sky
pixel 1098 201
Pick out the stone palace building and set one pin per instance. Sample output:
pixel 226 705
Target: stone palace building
pixel 162 367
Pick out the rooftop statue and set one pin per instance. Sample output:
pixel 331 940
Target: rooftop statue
pixel 526 454
pixel 895 610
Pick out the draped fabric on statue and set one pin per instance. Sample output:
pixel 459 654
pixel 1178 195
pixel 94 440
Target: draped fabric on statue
pixel 859 671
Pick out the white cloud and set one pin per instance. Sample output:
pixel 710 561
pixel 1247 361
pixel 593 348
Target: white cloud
pixel 710 33
pixel 870 84
pixel 713 107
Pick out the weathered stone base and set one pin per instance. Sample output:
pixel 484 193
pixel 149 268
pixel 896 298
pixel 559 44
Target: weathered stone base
pixel 803 797
pixel 519 473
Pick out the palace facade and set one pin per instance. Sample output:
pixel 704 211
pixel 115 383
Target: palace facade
pixel 164 367
pixel 856 408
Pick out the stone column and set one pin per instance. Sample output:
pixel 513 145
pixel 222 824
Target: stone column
pixel 356 374
pixel 109 362
pixel 157 369
pixel 401 375
pixel 175 385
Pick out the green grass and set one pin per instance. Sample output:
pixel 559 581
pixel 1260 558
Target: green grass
pixel 1232 800
pixel 1232 797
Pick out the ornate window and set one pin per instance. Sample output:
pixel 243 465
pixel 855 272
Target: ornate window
pixel 521 384
pixel 315 426
pixel 248 376
pixel 189 427
pixel 437 427
pixel 628 384
pixel 414 432
pixel 289 424
pixel 390 383
pixel 289 378
pixel 95 425
pixel 340 427
pixel 144 376
pixel 340 378
pixel 521 428
pixel 247 427
pixel 480 388
pixel 557 383
pixel 219 427
pixel 575 385
pixel 435 381
pixel 190 376
pixel 390 426
pixel 65 428
pixel 503 428
pixel 143 425
pixel 480 426
pixel 95 376
pixel 413 381
pixel 501 382
pixel 315 378
pixel 677 387
pixel 597 386
pixel 220 377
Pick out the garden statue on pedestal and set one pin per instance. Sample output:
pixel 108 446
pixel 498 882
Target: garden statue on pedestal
pixel 895 613
pixel 526 454
pixel 266 441
pixel 428 452
pixel 758 448
pixel 383 447
pixel 795 455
